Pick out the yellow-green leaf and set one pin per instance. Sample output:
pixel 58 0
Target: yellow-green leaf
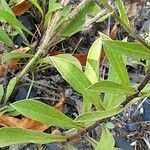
pixel 14 136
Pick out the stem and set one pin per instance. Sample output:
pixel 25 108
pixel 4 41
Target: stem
pixel 50 32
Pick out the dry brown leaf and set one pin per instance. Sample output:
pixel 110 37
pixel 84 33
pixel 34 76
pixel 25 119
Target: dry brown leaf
pixel 21 8
pixel 81 57
pixel 8 121
pixel 60 104
pixel 31 124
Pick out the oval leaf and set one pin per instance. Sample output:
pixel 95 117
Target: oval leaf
pixel 10 87
pixel 92 63
pixel 116 60
pixel 43 113
pixel 13 136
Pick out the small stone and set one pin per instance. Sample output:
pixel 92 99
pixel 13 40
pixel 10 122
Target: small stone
pixel 146 109
pixel 146 26
pixel 68 92
pixel 131 127
pixel 122 143
pixel 148 3
pixel 54 147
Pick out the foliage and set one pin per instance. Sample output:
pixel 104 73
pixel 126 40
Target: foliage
pixel 88 82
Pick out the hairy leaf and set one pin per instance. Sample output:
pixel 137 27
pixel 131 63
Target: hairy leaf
pixel 76 24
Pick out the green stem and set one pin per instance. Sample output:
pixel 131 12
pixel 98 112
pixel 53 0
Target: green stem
pixel 128 29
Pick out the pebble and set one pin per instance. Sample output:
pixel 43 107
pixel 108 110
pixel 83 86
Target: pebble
pixel 131 127
pixel 122 144
pixel 146 26
pixel 146 110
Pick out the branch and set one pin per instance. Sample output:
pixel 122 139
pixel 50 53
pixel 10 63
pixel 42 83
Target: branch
pixel 50 34
pixel 128 29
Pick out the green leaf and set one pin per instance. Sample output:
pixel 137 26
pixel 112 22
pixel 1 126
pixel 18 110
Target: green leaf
pixel 10 87
pixel 5 6
pixel 98 115
pixel 112 87
pixel 123 13
pixel 65 13
pixel 115 148
pixel 68 67
pixel 68 146
pixel 113 100
pixel 13 21
pixel 116 60
pixel 53 6
pixel 107 141
pixel 43 113
pixel 117 73
pixel 1 92
pixel 130 49
pixel 5 38
pixel 36 4
pixel 14 55
pixel 92 141
pixel 110 125
pixel 92 63
pixel 92 69
pixel 77 24
pixel 13 136
pixel 103 18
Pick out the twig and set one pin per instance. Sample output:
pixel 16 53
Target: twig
pixel 50 34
